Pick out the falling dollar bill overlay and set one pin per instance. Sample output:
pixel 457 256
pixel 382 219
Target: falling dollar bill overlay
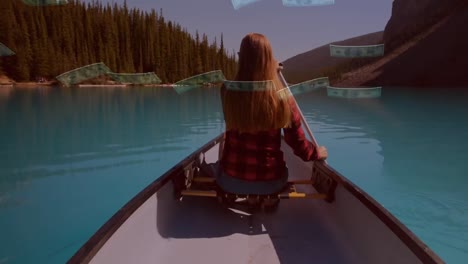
pixel 309 86
pixel 5 51
pixel 135 78
pixel 256 86
pixel 199 80
pixel 248 86
pixel 284 94
pixel 373 92
pixel 357 51
pixel 83 73
pixel 180 89
pixel 45 2
pixel 299 3
pixel 241 3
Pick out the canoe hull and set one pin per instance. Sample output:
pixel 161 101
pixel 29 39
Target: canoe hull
pixel 155 227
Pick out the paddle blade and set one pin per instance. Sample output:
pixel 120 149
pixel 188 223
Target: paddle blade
pixel 83 73
pixel 45 2
pixel 135 78
pixel 309 86
pixel 5 51
pixel 300 3
pixel 237 4
pixel 372 92
pixel 357 51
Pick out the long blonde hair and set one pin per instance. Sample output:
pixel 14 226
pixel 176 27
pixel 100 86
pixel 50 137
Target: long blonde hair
pixel 255 111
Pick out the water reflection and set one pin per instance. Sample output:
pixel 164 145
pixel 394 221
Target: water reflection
pixel 407 149
pixel 47 126
pixel 70 158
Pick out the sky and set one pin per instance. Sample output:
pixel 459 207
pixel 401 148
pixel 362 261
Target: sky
pixel 291 30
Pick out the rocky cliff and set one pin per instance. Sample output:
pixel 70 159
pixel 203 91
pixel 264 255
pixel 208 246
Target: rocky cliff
pixel 426 44
pixel 409 17
pixel 308 65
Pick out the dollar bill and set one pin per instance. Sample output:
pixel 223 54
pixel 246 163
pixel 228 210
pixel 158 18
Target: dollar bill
pixel 204 78
pixel 298 3
pixel 135 78
pixel 284 94
pixel 256 86
pixel 180 89
pixel 357 51
pixel 246 86
pixel 5 51
pixel 45 2
pixel 237 4
pixel 83 73
pixel 373 92
pixel 309 86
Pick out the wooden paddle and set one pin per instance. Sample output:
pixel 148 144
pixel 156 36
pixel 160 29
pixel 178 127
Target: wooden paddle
pixel 311 135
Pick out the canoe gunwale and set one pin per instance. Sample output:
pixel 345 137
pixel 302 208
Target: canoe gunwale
pixel 416 245
pixel 95 243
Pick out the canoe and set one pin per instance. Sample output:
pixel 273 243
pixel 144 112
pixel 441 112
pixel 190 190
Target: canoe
pixel 348 226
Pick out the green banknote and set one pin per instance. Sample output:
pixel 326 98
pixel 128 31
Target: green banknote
pixel 186 85
pixel 241 3
pixel 135 78
pixel 204 78
pixel 299 3
pixel 5 51
pixel 180 89
pixel 83 73
pixel 309 86
pixel 284 94
pixel 373 92
pixel 247 86
pixel 357 51
pixel 45 2
pixel 256 86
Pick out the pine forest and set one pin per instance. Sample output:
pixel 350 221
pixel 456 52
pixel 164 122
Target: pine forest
pixel 50 40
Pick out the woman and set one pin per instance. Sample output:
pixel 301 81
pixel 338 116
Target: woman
pixel 252 161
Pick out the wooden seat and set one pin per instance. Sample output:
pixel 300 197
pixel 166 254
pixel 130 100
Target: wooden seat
pixel 289 192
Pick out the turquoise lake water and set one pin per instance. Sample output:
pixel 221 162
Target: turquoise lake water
pixel 70 158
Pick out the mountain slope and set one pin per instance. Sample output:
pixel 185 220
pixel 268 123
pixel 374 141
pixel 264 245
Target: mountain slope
pixel 436 57
pixel 440 59
pixel 307 65
pixel 425 45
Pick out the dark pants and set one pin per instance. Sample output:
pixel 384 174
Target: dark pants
pixel 238 186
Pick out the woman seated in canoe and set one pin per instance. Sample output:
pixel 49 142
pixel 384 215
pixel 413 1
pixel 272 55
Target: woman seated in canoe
pixel 252 161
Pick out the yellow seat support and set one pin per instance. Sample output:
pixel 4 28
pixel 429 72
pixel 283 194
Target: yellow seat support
pixel 211 180
pixel 199 193
pixel 290 195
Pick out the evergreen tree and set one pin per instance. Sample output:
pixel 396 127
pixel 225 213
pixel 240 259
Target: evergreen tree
pixel 53 39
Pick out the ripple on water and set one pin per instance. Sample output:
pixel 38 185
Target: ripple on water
pixel 437 218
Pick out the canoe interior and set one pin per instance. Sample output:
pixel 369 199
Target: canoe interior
pixel 161 229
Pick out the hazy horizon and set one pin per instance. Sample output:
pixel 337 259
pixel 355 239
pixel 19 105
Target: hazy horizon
pixel 293 31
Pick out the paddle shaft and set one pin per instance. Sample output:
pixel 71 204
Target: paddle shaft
pixel 314 141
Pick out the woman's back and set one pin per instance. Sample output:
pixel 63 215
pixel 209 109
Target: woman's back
pixel 253 156
pixel 256 109
pixel 258 157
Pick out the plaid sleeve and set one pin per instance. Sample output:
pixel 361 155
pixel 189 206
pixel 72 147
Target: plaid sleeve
pixel 295 137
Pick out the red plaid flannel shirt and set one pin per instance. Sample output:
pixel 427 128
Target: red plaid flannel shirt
pixel 258 157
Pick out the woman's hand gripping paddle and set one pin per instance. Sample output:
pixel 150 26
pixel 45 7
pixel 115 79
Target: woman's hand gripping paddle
pixel 322 151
